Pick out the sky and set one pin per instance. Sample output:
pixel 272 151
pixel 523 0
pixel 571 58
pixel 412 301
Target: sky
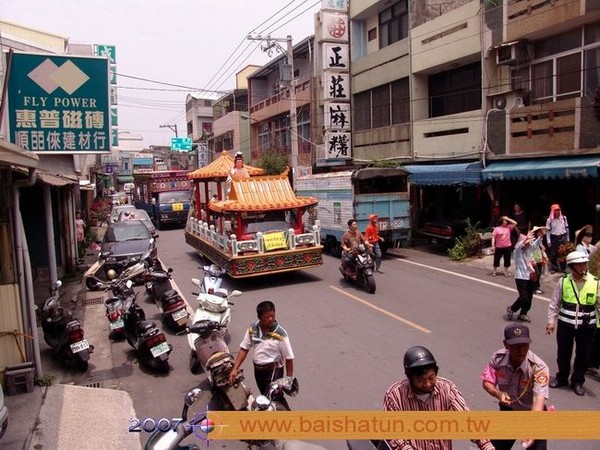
pixel 194 44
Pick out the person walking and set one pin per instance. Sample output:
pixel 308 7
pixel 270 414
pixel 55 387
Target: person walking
pixel 502 244
pixel 272 350
pixel 573 312
pixel 518 379
pixel 80 232
pixel 583 240
pixel 525 277
pixel 373 238
pixel 558 233
pixel 539 257
pixel 424 390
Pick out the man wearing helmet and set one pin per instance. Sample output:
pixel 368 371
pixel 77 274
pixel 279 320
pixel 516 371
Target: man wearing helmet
pixel 573 311
pixel 423 390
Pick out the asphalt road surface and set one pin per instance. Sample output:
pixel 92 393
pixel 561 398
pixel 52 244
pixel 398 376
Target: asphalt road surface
pixel 348 344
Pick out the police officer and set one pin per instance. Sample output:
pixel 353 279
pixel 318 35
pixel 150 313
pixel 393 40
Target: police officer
pixel 574 303
pixel 518 378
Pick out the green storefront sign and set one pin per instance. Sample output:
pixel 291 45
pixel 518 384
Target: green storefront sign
pixel 59 104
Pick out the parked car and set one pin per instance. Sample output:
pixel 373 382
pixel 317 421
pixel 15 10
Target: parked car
pixel 138 214
pixel 118 209
pixel 119 198
pixel 444 232
pixel 126 239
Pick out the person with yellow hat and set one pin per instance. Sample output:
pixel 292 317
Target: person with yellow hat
pixel 558 233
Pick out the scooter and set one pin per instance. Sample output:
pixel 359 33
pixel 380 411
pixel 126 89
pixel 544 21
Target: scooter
pixel 213 278
pixel 144 336
pixel 170 303
pixel 210 352
pixel 288 386
pixel 64 334
pixel 91 280
pixel 214 305
pixel 116 306
pixel 361 272
pixel 172 438
pixel 130 269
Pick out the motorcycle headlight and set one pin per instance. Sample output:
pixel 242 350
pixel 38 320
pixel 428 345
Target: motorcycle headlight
pixel 111 274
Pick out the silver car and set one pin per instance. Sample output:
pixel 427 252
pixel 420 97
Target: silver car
pixel 138 214
pixel 118 209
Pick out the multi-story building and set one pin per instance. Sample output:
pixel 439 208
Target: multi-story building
pixel 482 101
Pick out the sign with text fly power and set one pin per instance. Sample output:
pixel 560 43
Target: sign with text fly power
pixel 181 144
pixel 59 104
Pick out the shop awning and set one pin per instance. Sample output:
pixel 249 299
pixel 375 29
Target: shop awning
pixel 562 168
pixel 124 179
pixel 460 174
pixel 15 155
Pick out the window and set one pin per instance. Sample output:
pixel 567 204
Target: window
pixel 362 111
pixel 372 35
pixel 382 106
pixel 592 71
pixel 568 76
pixel 263 137
pixel 541 81
pixel 393 24
pixel 455 91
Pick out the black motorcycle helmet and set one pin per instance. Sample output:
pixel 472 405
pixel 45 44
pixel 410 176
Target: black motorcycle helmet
pixel 417 360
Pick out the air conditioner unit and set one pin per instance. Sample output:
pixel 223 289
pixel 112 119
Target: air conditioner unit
pixel 512 53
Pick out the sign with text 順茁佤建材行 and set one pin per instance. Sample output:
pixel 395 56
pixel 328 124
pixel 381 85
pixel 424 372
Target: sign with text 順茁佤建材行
pixel 59 104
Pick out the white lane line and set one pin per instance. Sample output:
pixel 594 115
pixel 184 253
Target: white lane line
pixel 467 277
pixel 381 310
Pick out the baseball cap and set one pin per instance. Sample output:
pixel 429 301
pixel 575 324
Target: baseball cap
pixel 516 334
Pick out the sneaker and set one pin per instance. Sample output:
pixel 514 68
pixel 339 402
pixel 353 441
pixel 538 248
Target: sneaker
pixel 523 318
pixel 539 291
pixel 510 313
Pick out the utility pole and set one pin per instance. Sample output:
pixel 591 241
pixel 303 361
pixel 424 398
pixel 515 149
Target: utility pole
pixel 268 47
pixel 170 127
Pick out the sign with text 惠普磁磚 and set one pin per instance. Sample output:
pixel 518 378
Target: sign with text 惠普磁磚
pixel 59 104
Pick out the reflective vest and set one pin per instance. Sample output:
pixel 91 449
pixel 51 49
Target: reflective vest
pixel 582 313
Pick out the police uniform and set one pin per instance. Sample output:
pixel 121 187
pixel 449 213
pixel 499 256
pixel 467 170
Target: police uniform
pixel 574 305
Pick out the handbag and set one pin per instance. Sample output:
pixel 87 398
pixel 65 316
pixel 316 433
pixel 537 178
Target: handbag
pixel 533 276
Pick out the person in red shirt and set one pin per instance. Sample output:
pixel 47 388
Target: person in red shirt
pixel 373 238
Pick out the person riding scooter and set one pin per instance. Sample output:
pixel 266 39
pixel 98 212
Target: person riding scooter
pixel 350 242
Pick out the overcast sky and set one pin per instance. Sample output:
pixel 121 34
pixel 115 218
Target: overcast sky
pixel 198 44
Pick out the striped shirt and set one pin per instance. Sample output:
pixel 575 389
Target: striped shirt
pixel 445 396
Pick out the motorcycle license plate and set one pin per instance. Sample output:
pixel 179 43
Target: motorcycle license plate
pixel 181 314
pixel 159 349
pixel 119 323
pixel 80 346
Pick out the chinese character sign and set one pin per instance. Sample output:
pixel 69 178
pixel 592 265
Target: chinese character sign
pixel 336 5
pixel 59 104
pixel 337 146
pixel 336 86
pixel 335 57
pixel 337 116
pixel 334 27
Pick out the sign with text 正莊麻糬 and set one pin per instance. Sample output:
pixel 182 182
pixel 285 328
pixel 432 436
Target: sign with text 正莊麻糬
pixel 59 104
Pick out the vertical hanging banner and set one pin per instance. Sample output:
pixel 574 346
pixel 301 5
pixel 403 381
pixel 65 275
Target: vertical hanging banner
pixel 335 84
pixel 59 104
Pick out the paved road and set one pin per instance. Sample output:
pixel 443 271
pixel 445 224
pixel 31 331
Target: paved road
pixel 348 344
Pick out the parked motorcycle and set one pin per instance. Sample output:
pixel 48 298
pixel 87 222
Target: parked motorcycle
pixel 64 334
pixel 170 303
pixel 214 304
pixel 213 278
pixel 143 335
pixel 288 386
pixel 210 352
pixel 361 271
pixel 172 438
pixel 117 305
pixel 130 269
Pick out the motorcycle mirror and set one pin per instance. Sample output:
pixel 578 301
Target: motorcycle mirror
pixel 190 398
pixel 151 241
pixel 236 293
pixel 129 284
pixel 196 282
pixel 57 284
pixel 170 269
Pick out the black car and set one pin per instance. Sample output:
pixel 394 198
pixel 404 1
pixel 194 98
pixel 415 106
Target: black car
pixel 124 240
pixel 444 232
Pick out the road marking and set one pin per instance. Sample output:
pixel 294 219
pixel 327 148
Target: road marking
pixel 381 310
pixel 467 277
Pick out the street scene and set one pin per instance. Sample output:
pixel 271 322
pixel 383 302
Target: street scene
pixel 355 219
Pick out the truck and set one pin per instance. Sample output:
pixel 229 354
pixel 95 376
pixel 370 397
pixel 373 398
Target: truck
pixel 355 194
pixel 251 226
pixel 165 195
